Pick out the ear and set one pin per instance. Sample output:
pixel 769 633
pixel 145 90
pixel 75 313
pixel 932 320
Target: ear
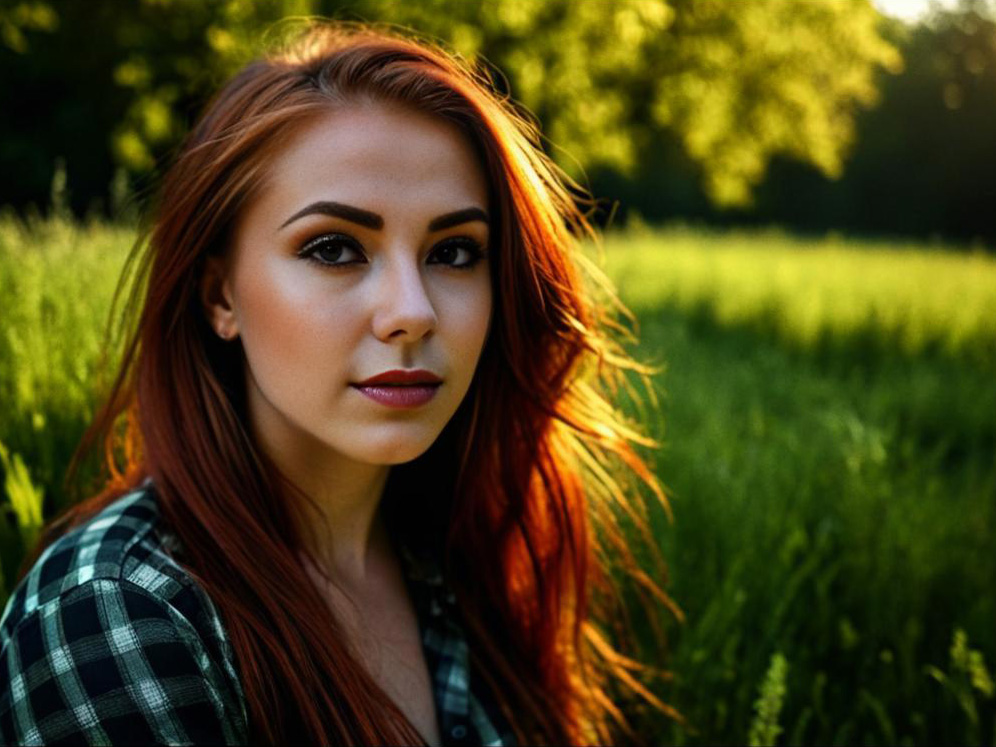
pixel 216 298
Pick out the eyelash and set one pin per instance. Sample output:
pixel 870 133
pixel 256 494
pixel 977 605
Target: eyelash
pixel 313 246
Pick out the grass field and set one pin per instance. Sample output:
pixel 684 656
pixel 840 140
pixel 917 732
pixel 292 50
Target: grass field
pixel 829 431
pixel 828 420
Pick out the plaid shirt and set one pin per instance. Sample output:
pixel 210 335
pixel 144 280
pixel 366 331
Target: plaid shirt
pixel 109 641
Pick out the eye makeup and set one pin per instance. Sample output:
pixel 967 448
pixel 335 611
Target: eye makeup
pixel 457 244
pixel 319 249
pixel 327 250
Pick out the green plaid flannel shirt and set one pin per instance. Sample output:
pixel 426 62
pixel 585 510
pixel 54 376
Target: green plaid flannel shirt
pixel 109 641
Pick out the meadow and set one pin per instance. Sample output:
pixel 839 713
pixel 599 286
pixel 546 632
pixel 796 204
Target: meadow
pixel 827 420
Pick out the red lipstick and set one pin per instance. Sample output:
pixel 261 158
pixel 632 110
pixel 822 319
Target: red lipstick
pixel 400 388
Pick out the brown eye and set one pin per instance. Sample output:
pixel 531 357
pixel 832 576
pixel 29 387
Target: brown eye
pixel 333 250
pixel 461 253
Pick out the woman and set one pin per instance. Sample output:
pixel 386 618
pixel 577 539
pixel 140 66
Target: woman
pixel 363 476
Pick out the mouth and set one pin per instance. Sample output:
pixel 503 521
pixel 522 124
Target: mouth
pixel 400 389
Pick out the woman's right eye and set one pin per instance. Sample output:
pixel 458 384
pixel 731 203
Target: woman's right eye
pixel 333 250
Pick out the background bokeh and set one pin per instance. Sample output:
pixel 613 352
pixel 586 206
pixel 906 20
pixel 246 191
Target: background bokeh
pixel 799 199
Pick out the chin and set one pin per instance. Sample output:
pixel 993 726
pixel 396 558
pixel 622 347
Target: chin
pixel 396 449
pixel 392 457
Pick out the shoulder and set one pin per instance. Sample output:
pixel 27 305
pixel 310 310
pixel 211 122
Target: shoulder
pixel 123 543
pixel 108 640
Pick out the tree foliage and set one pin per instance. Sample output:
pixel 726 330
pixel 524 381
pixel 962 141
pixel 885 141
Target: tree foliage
pixel 742 82
pixel 21 17
pixel 733 83
pixel 923 160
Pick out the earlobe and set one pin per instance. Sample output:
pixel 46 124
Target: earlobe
pixel 216 299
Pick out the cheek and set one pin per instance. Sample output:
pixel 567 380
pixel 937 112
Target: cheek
pixel 290 324
pixel 471 312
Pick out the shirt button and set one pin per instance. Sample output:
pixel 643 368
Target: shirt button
pixel 458 732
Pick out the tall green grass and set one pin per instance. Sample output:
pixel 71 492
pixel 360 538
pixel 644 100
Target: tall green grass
pixel 57 278
pixel 828 421
pixel 829 446
pixel 841 516
pixel 827 296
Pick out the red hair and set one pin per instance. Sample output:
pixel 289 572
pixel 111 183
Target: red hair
pixel 524 487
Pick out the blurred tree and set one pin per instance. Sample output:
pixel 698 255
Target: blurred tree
pixel 17 18
pixel 746 81
pixel 112 85
pixel 924 159
pixel 732 84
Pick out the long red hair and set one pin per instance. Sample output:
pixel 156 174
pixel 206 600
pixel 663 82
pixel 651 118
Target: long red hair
pixel 530 488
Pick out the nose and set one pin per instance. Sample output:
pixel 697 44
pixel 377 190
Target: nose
pixel 404 311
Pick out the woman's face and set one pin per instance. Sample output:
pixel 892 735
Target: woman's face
pixel 364 253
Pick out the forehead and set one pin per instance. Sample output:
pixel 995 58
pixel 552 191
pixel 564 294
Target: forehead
pixel 379 157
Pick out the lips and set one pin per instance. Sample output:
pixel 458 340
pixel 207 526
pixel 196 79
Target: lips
pixel 401 388
pixel 402 377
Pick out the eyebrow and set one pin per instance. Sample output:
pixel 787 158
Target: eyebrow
pixel 457 217
pixel 338 210
pixel 372 220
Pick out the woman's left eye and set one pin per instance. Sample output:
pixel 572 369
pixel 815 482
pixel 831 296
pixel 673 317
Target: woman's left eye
pixel 462 253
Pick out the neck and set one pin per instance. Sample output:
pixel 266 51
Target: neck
pixel 344 530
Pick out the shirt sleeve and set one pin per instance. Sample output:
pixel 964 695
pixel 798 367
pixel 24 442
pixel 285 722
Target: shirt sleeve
pixel 108 662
